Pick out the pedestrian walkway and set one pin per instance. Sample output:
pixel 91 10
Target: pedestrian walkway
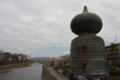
pixel 57 74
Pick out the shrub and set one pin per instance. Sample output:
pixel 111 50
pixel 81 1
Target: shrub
pixel 56 67
pixel 1 61
pixel 67 64
pixel 113 71
pixel 66 72
pixel 60 70
pixel 63 65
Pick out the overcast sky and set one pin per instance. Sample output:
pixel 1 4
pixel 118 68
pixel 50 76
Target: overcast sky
pixel 42 27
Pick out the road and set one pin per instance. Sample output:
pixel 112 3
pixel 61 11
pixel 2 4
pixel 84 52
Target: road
pixel 29 73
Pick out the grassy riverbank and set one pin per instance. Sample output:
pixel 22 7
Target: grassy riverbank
pixel 44 76
pixel 11 66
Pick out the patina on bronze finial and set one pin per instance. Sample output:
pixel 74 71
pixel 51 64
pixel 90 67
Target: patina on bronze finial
pixel 86 23
pixel 85 9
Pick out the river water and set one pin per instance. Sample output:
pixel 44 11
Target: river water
pixel 29 73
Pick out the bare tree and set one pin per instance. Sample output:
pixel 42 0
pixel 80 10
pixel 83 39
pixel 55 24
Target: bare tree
pixel 113 58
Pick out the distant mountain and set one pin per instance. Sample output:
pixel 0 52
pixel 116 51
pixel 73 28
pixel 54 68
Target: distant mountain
pixel 65 56
pixel 43 58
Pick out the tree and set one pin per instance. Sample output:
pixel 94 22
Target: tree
pixel 112 52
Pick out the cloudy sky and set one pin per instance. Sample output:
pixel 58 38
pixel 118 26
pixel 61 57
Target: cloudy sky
pixel 42 27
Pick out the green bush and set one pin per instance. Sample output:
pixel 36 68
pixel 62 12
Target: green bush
pixel 113 71
pixel 67 65
pixel 60 70
pixel 57 67
pixel 1 61
pixel 63 65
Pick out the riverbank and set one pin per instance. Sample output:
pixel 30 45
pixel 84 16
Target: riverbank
pixel 11 66
pixel 33 72
pixel 43 76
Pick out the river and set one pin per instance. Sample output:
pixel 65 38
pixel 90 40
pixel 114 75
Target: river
pixel 29 73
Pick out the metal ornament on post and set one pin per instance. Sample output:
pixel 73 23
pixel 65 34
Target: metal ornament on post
pixel 87 50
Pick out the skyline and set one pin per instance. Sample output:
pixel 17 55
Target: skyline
pixel 41 28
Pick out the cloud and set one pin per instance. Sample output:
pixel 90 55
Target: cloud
pixel 35 25
pixel 67 52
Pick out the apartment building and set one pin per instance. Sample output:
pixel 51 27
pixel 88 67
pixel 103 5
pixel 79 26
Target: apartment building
pixel 113 54
pixel 8 56
pixel 2 54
